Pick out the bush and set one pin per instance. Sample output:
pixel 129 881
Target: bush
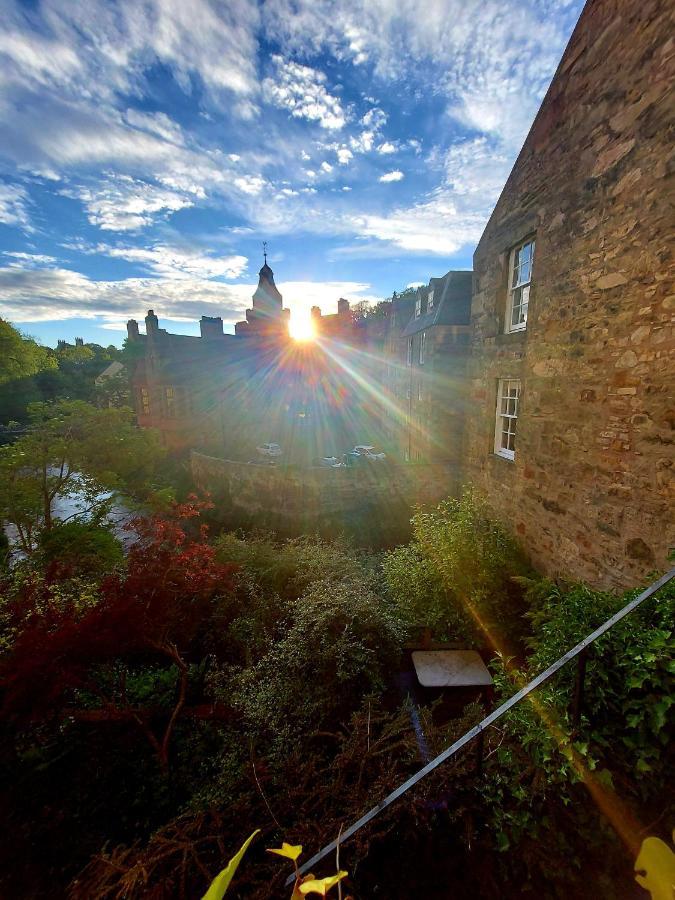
pixel 79 549
pixel 340 639
pixel 457 574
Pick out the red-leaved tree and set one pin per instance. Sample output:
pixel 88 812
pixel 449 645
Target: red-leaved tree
pixel 72 662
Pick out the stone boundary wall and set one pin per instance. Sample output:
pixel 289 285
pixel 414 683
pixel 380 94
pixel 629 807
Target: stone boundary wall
pixel 317 496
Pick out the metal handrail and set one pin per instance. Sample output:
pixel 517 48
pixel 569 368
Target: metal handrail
pixel 487 721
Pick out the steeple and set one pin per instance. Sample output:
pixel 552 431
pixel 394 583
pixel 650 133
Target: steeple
pixel 267 313
pixel 267 299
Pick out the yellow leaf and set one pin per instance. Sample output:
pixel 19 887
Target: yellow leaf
pixel 221 882
pixel 290 851
pixel 321 885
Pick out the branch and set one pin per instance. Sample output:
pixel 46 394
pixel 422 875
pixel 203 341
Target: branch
pixel 172 652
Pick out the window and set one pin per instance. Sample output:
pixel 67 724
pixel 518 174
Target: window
pixel 170 402
pixel 423 347
pixel 419 391
pixel 508 398
pixel 418 307
pixel 145 401
pixel 410 351
pixel 430 300
pixel 520 276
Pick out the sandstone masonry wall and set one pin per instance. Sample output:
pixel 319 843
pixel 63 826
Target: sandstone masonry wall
pixel 309 498
pixel 590 492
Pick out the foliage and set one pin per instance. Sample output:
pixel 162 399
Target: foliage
pixel 21 357
pixel 365 312
pixel 69 373
pixel 457 574
pixel 339 641
pixel 83 663
pixel 628 700
pixel 79 549
pixel 72 448
pixel 222 881
pixel 421 597
pixel 541 766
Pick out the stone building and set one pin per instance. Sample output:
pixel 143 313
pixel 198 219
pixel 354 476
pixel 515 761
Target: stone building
pixel 425 357
pixel 229 393
pixel 436 343
pixel 267 317
pixel 570 419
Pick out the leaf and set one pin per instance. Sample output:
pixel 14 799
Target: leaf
pixel 321 886
pixel 221 882
pixel 290 851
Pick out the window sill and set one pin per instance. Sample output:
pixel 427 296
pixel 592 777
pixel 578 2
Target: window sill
pixel 505 455
pixel 511 337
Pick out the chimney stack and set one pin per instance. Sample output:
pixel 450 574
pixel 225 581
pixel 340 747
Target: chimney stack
pixel 211 327
pixel 132 330
pixel 151 323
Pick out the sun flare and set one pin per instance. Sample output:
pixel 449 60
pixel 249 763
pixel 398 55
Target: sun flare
pixel 302 329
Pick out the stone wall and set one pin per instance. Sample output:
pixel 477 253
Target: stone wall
pixel 299 500
pixel 590 491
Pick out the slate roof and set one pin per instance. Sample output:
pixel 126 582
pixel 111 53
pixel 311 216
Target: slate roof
pixel 452 303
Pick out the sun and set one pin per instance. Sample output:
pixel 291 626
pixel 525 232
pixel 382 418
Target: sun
pixel 302 329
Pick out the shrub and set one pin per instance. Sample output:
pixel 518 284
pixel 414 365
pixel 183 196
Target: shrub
pixel 457 575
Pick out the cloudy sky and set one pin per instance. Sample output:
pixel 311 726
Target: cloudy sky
pixel 148 147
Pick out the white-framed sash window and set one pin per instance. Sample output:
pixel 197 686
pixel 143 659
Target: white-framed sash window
pixel 520 279
pixel 508 400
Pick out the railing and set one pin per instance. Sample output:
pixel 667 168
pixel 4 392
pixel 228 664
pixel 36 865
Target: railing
pixel 579 651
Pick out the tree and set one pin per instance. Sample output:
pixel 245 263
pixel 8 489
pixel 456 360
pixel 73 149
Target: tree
pixel 21 356
pixel 72 450
pixel 126 658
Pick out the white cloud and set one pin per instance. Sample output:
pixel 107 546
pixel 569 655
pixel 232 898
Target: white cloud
pixel 396 175
pixel 344 155
pixel 40 295
pixel 454 214
pixel 387 147
pixel 250 184
pixel 97 47
pixel 492 61
pixel 302 90
pixel 178 262
pixel 122 203
pixel 14 206
pixel 29 259
pixel 326 167
pixel 156 123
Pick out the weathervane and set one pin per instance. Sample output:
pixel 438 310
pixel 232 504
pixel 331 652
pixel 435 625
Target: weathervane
pixel 265 251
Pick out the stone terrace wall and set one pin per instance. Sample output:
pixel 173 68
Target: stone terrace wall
pixel 309 498
pixel 591 490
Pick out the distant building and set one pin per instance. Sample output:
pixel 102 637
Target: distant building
pixel 267 317
pixel 228 393
pixel 113 370
pixel 425 361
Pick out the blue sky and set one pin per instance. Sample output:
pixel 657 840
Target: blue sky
pixel 149 147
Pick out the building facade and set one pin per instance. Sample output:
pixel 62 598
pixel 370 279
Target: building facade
pixel 569 427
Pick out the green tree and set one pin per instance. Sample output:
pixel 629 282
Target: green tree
pixel 21 356
pixel 72 449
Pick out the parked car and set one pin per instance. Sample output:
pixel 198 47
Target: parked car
pixel 329 462
pixel 269 449
pixel 368 452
